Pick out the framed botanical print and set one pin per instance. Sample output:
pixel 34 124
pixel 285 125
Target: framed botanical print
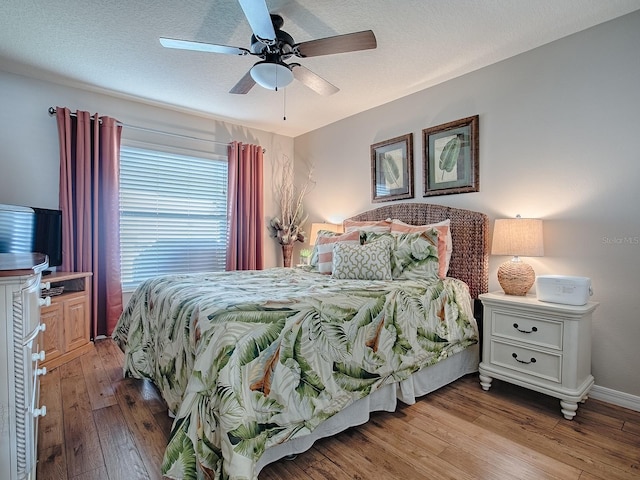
pixel 392 169
pixel 451 163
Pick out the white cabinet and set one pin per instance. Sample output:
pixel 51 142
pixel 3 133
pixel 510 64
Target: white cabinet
pixel 542 346
pixel 20 356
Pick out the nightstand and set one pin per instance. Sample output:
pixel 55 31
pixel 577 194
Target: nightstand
pixel 542 346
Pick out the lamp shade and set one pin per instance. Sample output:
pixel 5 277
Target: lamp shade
pixel 518 237
pixel 272 75
pixel 316 227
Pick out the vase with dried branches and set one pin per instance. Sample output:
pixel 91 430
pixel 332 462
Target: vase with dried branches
pixel 287 228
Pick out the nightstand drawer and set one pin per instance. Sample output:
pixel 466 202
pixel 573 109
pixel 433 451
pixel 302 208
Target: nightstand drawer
pixel 526 360
pixel 531 330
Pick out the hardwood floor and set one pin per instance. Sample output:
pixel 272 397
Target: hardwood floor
pixel 100 426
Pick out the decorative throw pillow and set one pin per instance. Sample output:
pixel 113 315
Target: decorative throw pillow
pixel 416 256
pixel 321 233
pixel 367 226
pixel 385 237
pixel 445 246
pixel 324 248
pixel 362 262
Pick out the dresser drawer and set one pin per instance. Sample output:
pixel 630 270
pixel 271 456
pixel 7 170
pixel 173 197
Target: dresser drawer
pixel 527 329
pixel 525 360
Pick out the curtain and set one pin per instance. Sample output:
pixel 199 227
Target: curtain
pixel 89 189
pixel 245 208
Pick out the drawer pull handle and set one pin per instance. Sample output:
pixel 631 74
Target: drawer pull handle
pixel 40 412
pixel 44 302
pixel 515 355
pixel 38 356
pixel 533 329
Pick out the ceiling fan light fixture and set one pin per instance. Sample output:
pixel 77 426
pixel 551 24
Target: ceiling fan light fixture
pixel 272 75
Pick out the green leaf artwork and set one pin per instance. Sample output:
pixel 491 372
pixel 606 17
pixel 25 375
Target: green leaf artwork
pixel 449 155
pixel 390 171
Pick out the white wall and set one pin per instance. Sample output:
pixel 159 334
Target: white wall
pixel 29 159
pixel 558 141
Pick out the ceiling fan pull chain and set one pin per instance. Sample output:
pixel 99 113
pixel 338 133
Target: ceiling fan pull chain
pixel 284 105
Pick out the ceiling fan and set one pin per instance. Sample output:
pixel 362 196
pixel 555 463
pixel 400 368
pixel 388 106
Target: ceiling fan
pixel 273 46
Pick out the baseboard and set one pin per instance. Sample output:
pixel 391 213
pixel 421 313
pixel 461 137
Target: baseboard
pixel 615 397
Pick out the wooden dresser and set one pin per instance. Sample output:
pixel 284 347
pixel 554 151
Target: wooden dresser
pixel 20 357
pixel 68 317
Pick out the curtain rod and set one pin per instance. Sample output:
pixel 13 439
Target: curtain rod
pixel 52 111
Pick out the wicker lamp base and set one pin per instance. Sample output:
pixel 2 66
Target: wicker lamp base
pixel 516 277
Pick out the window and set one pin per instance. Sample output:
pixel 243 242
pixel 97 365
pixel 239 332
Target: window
pixel 173 214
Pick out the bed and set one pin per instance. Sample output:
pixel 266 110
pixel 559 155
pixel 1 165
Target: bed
pixel 256 366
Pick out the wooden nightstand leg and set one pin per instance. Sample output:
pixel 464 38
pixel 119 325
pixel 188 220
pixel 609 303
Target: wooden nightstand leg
pixel 568 409
pixel 485 382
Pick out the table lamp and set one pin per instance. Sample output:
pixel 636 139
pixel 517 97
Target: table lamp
pixel 316 227
pixel 517 237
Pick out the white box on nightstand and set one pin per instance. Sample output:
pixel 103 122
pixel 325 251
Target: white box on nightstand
pixel 563 289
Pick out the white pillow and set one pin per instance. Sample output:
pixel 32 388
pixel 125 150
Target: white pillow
pixel 378 226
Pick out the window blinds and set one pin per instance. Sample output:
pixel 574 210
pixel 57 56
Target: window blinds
pixel 172 214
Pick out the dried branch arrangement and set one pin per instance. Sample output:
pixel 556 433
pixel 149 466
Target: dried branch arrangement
pixel 287 228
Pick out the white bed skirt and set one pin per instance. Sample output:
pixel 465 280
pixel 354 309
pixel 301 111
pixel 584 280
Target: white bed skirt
pixel 420 383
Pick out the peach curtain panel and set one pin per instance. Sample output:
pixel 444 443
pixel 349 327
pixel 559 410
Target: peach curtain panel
pixel 245 208
pixel 89 200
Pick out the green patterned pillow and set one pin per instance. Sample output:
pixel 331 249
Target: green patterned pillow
pixel 386 237
pixel 362 262
pixel 415 256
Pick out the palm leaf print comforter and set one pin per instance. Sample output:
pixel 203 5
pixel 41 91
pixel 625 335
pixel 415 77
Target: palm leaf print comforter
pixel 249 359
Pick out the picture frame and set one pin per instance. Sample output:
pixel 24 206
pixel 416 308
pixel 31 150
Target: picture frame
pixel 451 157
pixel 392 169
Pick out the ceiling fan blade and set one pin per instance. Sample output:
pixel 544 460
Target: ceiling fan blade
pixel 201 47
pixel 245 84
pixel 313 81
pixel 259 19
pixel 349 42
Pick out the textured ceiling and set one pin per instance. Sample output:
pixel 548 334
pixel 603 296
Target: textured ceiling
pixel 112 46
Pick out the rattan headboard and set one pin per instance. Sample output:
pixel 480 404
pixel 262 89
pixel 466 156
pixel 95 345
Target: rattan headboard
pixel 469 234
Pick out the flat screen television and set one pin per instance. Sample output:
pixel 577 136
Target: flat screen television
pixel 25 230
pixel 47 234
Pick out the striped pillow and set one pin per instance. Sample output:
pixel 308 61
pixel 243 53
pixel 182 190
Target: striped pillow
pixel 321 233
pixel 445 246
pixel 324 246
